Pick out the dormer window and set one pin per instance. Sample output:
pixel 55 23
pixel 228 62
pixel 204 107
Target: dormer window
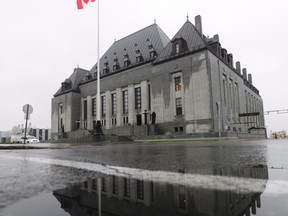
pixel 106 66
pixel 66 85
pixel 152 51
pixel 127 61
pixel 116 65
pixel 88 76
pixel 179 45
pixel 96 71
pixel 139 57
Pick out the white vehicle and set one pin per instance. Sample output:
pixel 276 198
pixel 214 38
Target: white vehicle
pixel 16 138
pixel 29 139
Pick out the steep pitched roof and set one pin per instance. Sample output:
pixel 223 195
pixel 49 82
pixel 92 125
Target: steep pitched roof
pixel 151 35
pixel 188 32
pixel 73 81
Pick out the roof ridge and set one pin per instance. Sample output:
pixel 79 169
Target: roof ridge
pixel 154 24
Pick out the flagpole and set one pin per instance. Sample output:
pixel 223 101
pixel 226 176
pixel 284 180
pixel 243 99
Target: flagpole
pixel 98 66
pixel 98 123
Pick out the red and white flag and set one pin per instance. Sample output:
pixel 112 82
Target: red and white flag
pixel 80 3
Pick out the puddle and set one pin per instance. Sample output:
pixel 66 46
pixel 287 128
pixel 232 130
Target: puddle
pixel 193 194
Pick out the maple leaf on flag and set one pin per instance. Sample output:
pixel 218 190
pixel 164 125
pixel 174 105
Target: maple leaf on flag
pixel 80 3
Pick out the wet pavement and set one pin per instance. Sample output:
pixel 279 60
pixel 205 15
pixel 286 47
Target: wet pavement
pixel 174 178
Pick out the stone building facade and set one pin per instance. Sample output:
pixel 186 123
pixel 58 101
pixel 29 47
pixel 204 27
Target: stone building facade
pixel 151 85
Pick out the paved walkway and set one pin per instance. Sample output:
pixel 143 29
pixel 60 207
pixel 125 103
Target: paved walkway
pixel 35 146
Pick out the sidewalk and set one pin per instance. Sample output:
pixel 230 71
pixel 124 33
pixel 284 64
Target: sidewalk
pixel 35 146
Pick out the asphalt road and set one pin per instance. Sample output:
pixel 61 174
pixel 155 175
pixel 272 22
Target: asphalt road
pixel 29 177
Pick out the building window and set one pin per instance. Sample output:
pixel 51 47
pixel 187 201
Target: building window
pixel 104 185
pixel 116 65
pixel 114 107
pixel 115 185
pixel 182 201
pixel 139 57
pixel 125 120
pixel 103 105
pixel 177 46
pixel 178 84
pixel 103 122
pixel 85 110
pixel 106 68
pixel 140 189
pixel 152 51
pixel 138 98
pixel 178 106
pixel 94 184
pixel 85 185
pixel 127 190
pixel 127 61
pixel 114 121
pixel 93 106
pixel 125 101
pixel 61 108
pixel 153 54
pixel 224 89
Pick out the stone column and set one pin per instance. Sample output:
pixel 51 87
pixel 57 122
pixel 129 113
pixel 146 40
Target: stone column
pixel 82 114
pixel 120 188
pixel 131 104
pixel 109 186
pixel 144 99
pixel 133 190
pixel 108 109
pixel 147 193
pixel 89 113
pixel 119 104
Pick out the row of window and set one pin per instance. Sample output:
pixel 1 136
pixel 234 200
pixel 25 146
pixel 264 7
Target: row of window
pixel 115 186
pixel 125 108
pixel 127 61
pixel 178 100
pixel 138 103
pixel 182 193
pixel 253 105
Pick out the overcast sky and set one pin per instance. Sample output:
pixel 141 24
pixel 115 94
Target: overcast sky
pixel 41 42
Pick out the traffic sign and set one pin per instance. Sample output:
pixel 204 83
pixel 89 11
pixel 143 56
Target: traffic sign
pixel 27 109
pixel 249 114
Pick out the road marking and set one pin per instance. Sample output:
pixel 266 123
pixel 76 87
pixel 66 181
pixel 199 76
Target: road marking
pixel 224 183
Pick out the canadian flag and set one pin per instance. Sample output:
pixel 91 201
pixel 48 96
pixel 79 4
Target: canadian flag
pixel 80 3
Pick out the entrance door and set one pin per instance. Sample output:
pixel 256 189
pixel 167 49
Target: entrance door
pixel 139 119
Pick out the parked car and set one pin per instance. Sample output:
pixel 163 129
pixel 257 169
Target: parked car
pixel 29 139
pixel 15 138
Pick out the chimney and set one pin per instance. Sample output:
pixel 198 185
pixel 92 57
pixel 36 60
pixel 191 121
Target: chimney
pixel 230 59
pixel 238 67
pixel 216 38
pixel 224 54
pixel 250 78
pixel 198 24
pixel 244 73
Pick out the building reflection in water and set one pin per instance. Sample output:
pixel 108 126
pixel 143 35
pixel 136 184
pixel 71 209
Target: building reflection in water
pixel 128 196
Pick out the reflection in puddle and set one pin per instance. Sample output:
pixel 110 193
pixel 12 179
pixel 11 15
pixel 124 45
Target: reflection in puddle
pixel 226 192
